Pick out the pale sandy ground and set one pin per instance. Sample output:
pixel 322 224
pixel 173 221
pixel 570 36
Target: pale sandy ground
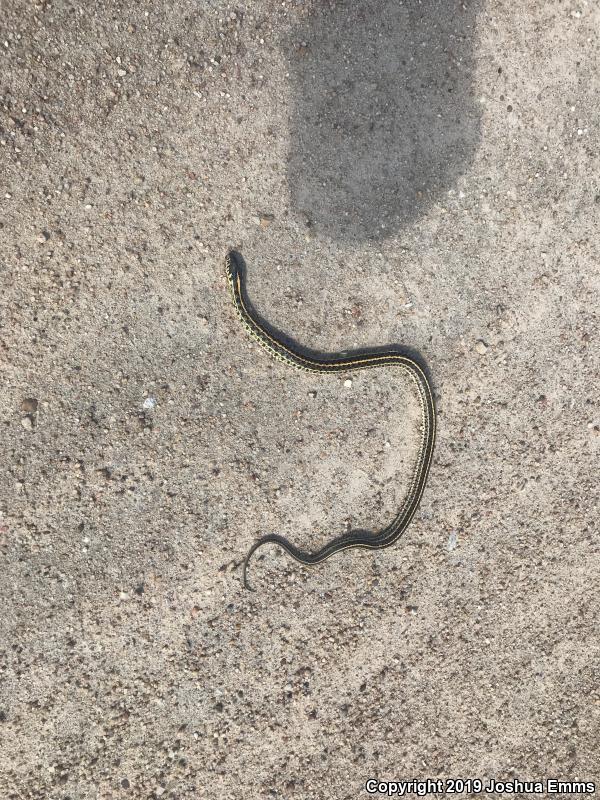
pixel 425 174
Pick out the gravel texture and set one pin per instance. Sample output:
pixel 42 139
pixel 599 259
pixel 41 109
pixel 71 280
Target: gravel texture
pixel 423 173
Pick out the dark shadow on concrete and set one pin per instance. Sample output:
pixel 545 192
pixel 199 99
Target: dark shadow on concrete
pixel 383 117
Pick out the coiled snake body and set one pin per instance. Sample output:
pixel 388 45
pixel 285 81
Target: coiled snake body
pixel 336 364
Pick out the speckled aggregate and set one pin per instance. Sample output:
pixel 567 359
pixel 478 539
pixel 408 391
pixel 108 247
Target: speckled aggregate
pixel 423 174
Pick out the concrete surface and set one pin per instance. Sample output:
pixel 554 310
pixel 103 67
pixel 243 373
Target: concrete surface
pixel 421 173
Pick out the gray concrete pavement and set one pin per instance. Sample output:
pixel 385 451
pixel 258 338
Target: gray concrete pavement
pixel 414 173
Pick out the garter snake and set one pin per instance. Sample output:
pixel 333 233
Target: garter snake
pixel 341 363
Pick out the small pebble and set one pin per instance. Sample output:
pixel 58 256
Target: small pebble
pixel 265 220
pixel 29 405
pixel 43 237
pixel 481 347
pixel 149 403
pixel 348 383
pixel 27 423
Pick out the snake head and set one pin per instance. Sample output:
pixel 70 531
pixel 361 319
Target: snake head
pixel 232 267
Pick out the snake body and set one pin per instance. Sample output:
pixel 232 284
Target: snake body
pixel 342 363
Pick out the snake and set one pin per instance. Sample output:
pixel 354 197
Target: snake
pixel 344 362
